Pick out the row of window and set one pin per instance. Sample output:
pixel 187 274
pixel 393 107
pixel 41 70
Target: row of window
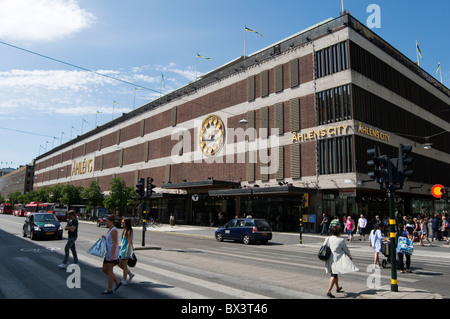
pixel 375 69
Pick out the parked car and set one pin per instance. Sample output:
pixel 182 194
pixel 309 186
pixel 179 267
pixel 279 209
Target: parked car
pixel 101 221
pixel 40 225
pixel 247 230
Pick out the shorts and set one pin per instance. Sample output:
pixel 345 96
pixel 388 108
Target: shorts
pixel 115 262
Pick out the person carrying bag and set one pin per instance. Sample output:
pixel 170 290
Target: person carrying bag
pixel 340 260
pixel 99 248
pixel 127 256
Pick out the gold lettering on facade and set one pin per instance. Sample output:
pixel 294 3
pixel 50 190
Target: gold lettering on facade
pixel 298 137
pixel 369 131
pixel 82 167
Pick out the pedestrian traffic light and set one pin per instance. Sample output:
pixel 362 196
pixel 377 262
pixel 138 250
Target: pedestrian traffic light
pixel 140 188
pixel 150 187
pixel 404 163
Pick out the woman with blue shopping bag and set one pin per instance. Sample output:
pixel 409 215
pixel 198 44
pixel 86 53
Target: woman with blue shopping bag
pixel 404 248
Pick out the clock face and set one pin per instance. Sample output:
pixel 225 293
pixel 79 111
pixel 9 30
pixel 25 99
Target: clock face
pixel 212 135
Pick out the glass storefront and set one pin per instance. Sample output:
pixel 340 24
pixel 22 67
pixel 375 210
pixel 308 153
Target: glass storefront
pixel 282 213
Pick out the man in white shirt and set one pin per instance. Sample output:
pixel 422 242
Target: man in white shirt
pixel 362 224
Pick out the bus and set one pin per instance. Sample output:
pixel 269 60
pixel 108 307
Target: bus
pixel 60 211
pixel 19 210
pixel 47 207
pixel 6 208
pixel 34 207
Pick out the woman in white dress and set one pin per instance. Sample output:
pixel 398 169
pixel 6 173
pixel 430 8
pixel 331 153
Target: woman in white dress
pixel 340 261
pixel 376 240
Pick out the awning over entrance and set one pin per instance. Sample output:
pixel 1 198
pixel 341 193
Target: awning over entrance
pixel 208 184
pixel 276 190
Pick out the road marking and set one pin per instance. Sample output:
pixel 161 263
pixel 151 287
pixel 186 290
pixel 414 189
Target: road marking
pixel 359 273
pixel 33 250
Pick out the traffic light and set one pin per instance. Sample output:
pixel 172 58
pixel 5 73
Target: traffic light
pixel 374 162
pixel 150 187
pixel 404 163
pixel 380 165
pixel 444 196
pixel 140 188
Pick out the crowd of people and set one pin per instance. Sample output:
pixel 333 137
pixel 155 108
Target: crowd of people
pixel 421 229
pixel 417 229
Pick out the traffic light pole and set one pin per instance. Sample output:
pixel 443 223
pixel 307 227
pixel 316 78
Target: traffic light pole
pixel 393 238
pixel 144 226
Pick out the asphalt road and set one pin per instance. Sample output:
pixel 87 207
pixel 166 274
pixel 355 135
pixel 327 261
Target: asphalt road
pixel 190 265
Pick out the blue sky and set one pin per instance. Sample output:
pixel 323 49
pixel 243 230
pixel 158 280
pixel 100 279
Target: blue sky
pixel 138 40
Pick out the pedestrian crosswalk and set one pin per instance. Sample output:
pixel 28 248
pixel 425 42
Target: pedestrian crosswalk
pixel 35 275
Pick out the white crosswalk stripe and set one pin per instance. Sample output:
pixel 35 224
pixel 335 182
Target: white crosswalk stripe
pixel 36 269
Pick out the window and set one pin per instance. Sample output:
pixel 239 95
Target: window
pixel 331 60
pixel 336 155
pixel 334 105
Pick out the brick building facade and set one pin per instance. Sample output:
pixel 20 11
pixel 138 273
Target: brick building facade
pixel 256 135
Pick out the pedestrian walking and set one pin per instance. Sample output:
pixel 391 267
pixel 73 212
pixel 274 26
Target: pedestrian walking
pixel 324 225
pixel 445 227
pixel 410 226
pixel 424 227
pixel 126 250
pixel 400 264
pixel 435 228
pixel 72 234
pixel 334 222
pixel 416 231
pixel 340 261
pixel 362 224
pixel 172 220
pixel 350 228
pixel 376 241
pixel 112 254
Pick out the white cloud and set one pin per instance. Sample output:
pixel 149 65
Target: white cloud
pixel 77 92
pixel 52 79
pixel 42 20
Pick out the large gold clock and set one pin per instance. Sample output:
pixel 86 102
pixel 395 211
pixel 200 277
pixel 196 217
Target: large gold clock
pixel 212 135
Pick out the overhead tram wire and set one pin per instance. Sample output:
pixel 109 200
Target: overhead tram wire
pixel 26 132
pixel 78 67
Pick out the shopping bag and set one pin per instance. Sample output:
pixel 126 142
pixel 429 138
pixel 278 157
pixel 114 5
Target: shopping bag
pixel 99 248
pixel 405 246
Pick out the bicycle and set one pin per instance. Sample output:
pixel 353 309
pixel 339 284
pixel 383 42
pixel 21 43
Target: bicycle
pixel 154 222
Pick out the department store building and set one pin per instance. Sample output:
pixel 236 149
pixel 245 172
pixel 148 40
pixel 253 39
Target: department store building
pixel 263 132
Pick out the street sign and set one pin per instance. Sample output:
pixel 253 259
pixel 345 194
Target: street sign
pixel 195 197
pixel 436 190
